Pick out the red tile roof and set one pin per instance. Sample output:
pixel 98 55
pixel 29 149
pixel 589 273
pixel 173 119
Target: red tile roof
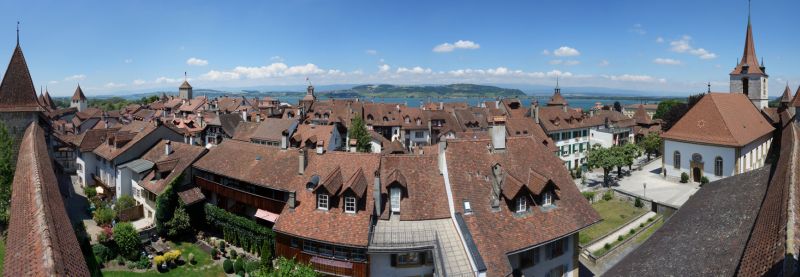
pixel 269 167
pixel 497 234
pixel 419 175
pixel 181 158
pixel 16 91
pixel 796 99
pixel 41 241
pixel 641 116
pixel 728 119
pixel 78 95
pixel 334 225
pixel 313 133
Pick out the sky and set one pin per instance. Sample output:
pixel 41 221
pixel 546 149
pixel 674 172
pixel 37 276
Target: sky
pixel 119 47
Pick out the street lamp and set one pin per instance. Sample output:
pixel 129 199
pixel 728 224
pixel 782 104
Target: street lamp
pixel 644 185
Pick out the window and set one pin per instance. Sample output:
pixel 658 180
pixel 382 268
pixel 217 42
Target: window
pixel 529 258
pixel 322 201
pixel 350 204
pixel 395 194
pixel 547 198
pixel 718 166
pixel 408 259
pixel 745 86
pixel 294 243
pixel 522 204
pixel 557 271
pixel 419 134
pixel 556 249
pixel 676 159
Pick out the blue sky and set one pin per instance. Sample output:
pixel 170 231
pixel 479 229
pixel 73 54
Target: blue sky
pixel 115 47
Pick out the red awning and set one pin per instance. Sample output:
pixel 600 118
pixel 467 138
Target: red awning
pixel 266 215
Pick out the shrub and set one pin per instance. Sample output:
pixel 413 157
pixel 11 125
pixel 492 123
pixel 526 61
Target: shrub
pixel 578 173
pixel 631 231
pixel 159 260
pixel 266 255
pixel 120 260
pixel 589 195
pixel 233 254
pixel 104 216
pixel 103 253
pixel 608 195
pixel 650 219
pixel 142 263
pixel 684 177
pixel 641 225
pixel 237 230
pixel 703 180
pixel 102 237
pixel 124 202
pixel 214 253
pixel 227 265
pixel 127 240
pixel 620 238
pixel 180 223
pixel 90 192
pixel 221 246
pixel 238 265
pixel 638 203
pixel 607 246
pixel 251 266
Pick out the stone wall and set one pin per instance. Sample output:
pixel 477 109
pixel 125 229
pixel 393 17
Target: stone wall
pixel 16 123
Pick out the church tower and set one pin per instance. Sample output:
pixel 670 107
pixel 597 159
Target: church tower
pixel 185 90
pixel 78 100
pixel 750 77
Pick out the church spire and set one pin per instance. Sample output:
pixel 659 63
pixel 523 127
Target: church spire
pixel 749 63
pixel 17 33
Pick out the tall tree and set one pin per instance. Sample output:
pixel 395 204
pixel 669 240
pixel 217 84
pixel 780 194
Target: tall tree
pixel 630 152
pixel 6 173
pixel 665 106
pixel 673 115
pixel 358 131
pixel 651 144
pixel 605 158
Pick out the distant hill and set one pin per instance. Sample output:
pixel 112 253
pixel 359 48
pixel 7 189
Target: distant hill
pixel 454 90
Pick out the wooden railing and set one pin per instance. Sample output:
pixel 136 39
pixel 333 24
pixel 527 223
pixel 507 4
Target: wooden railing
pixel 251 199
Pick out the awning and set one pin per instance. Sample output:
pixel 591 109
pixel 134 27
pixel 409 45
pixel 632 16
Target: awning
pixel 266 215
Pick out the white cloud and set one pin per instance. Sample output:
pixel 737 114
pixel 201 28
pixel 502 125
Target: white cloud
pixel 659 40
pixel 638 29
pixel 545 52
pixel 683 45
pixel 635 78
pixel 414 70
pixel 276 59
pixel 53 82
pixel 196 62
pixel 214 75
pixel 371 52
pixel 384 68
pixel 566 51
pixel 666 61
pixel 461 44
pixel 572 62
pixel 163 80
pixel 76 77
pixel 268 71
pixel 555 62
pixel 128 61
pixel 139 82
pixel 113 85
pixel 558 73
pixel 603 63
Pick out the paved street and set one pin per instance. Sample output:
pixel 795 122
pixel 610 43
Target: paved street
pixel 77 207
pixel 668 191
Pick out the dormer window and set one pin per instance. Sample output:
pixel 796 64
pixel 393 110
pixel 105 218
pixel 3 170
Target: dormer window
pixel 547 198
pixel 322 201
pixel 395 199
pixel 350 204
pixel 522 204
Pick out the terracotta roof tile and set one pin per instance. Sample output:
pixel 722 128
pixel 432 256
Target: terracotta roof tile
pixel 269 167
pixel 17 91
pixel 175 164
pixel 41 241
pixel 722 119
pixel 749 57
pixel 78 95
pixel 425 197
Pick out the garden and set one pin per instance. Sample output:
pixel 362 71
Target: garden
pixel 614 212
pixel 633 232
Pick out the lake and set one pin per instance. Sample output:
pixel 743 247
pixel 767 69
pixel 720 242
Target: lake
pixel 584 103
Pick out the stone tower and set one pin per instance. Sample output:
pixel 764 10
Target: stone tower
pixel 78 99
pixel 185 90
pixel 750 77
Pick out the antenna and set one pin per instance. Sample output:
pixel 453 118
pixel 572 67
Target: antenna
pixel 185 76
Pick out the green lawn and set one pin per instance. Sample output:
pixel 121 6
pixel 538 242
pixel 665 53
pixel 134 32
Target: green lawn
pixel 2 253
pixel 646 234
pixel 203 267
pixel 614 213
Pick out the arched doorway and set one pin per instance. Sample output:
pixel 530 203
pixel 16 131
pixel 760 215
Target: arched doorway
pixel 697 173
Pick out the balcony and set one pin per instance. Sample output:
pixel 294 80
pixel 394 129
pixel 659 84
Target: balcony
pixel 247 198
pixel 401 240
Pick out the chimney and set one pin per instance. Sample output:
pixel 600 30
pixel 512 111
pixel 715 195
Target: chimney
pixel 284 139
pixel 376 193
pixel 591 113
pixel 167 148
pixel 498 133
pixel 320 147
pixel 291 201
pixel 442 146
pixel 258 118
pixel 441 105
pixel 302 164
pixel 244 116
pixel 353 145
pixel 565 108
pixel 536 114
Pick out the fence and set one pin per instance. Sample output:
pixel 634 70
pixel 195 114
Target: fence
pixel 131 214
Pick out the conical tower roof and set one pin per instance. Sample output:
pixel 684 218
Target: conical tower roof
pixel 787 94
pixel 78 95
pixel 48 101
pixel 749 58
pixel 16 90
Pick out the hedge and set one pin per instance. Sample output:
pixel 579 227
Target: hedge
pixel 238 230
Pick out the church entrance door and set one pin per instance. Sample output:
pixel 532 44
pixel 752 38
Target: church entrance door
pixel 697 173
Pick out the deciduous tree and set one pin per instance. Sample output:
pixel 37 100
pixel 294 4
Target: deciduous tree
pixel 6 173
pixel 358 131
